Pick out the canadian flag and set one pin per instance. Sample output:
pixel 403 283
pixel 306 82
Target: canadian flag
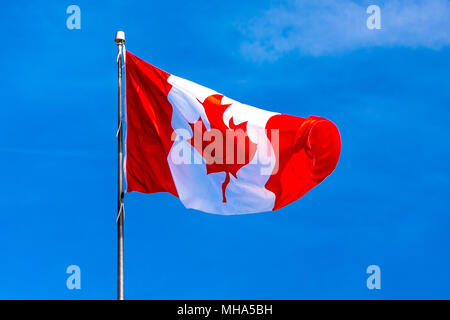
pixel 216 154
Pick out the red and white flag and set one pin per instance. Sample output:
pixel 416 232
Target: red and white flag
pixel 216 154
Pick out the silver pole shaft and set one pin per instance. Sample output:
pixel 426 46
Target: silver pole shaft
pixel 120 210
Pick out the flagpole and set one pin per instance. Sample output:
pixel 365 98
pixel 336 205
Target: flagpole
pixel 120 40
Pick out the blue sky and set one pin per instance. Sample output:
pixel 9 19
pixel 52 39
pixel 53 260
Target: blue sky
pixel 387 202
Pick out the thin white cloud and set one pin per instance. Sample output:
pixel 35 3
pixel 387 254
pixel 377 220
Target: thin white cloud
pixel 323 27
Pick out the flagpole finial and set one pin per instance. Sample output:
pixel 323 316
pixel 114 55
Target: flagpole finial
pixel 120 37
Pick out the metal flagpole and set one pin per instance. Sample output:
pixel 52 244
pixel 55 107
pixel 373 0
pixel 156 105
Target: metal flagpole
pixel 120 40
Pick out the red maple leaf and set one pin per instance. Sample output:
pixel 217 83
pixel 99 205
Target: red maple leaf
pixel 229 155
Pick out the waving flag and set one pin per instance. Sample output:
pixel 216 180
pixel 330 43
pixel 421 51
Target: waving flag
pixel 216 154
